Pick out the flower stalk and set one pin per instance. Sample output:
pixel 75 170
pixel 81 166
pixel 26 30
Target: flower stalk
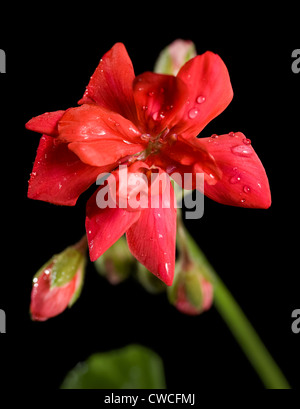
pixel 239 325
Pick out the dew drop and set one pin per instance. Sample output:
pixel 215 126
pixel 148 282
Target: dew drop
pixel 247 141
pixel 155 116
pixel 246 189
pixel 200 99
pixel 232 134
pixel 169 107
pixel 235 179
pixel 243 200
pixel 214 136
pixel 151 93
pixel 193 113
pixel 242 150
pixel 145 107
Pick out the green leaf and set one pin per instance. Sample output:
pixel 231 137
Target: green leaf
pixel 132 367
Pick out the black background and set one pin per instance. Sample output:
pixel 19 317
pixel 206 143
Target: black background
pixel 51 53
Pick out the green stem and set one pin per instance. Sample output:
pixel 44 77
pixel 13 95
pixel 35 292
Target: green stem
pixel 257 354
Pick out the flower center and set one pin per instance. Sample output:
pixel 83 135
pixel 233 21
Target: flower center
pixel 156 142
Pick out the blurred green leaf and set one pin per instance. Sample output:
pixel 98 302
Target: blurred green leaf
pixel 132 367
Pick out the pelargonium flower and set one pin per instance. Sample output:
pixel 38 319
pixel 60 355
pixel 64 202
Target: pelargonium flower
pixel 155 119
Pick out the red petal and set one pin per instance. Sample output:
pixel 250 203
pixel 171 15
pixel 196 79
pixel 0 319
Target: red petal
pixel 45 123
pixel 111 84
pixel 105 226
pixel 46 302
pixel 191 153
pixel 99 137
pixel 152 239
pixel 187 157
pixel 158 98
pixel 210 92
pixel 58 175
pixel 244 181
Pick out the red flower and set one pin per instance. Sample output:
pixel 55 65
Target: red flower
pixel 153 118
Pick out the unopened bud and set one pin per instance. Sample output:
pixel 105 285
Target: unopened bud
pixel 117 263
pixel 58 283
pixel 149 281
pixel 174 56
pixel 191 293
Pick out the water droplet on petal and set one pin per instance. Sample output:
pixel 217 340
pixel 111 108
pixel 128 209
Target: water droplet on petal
pixel 235 179
pixel 151 93
pixel 232 134
pixel 242 150
pixel 200 99
pixel 193 113
pixel 214 136
pixel 247 141
pixel 243 200
pixel 246 189
pixel 155 116
pixel 169 107
pixel 144 107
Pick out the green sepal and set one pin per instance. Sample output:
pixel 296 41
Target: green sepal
pixel 81 272
pixel 117 263
pixel 65 266
pixel 149 281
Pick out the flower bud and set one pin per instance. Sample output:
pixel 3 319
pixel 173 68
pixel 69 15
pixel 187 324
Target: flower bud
pixel 174 56
pixel 117 263
pixel 58 283
pixel 149 281
pixel 191 293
